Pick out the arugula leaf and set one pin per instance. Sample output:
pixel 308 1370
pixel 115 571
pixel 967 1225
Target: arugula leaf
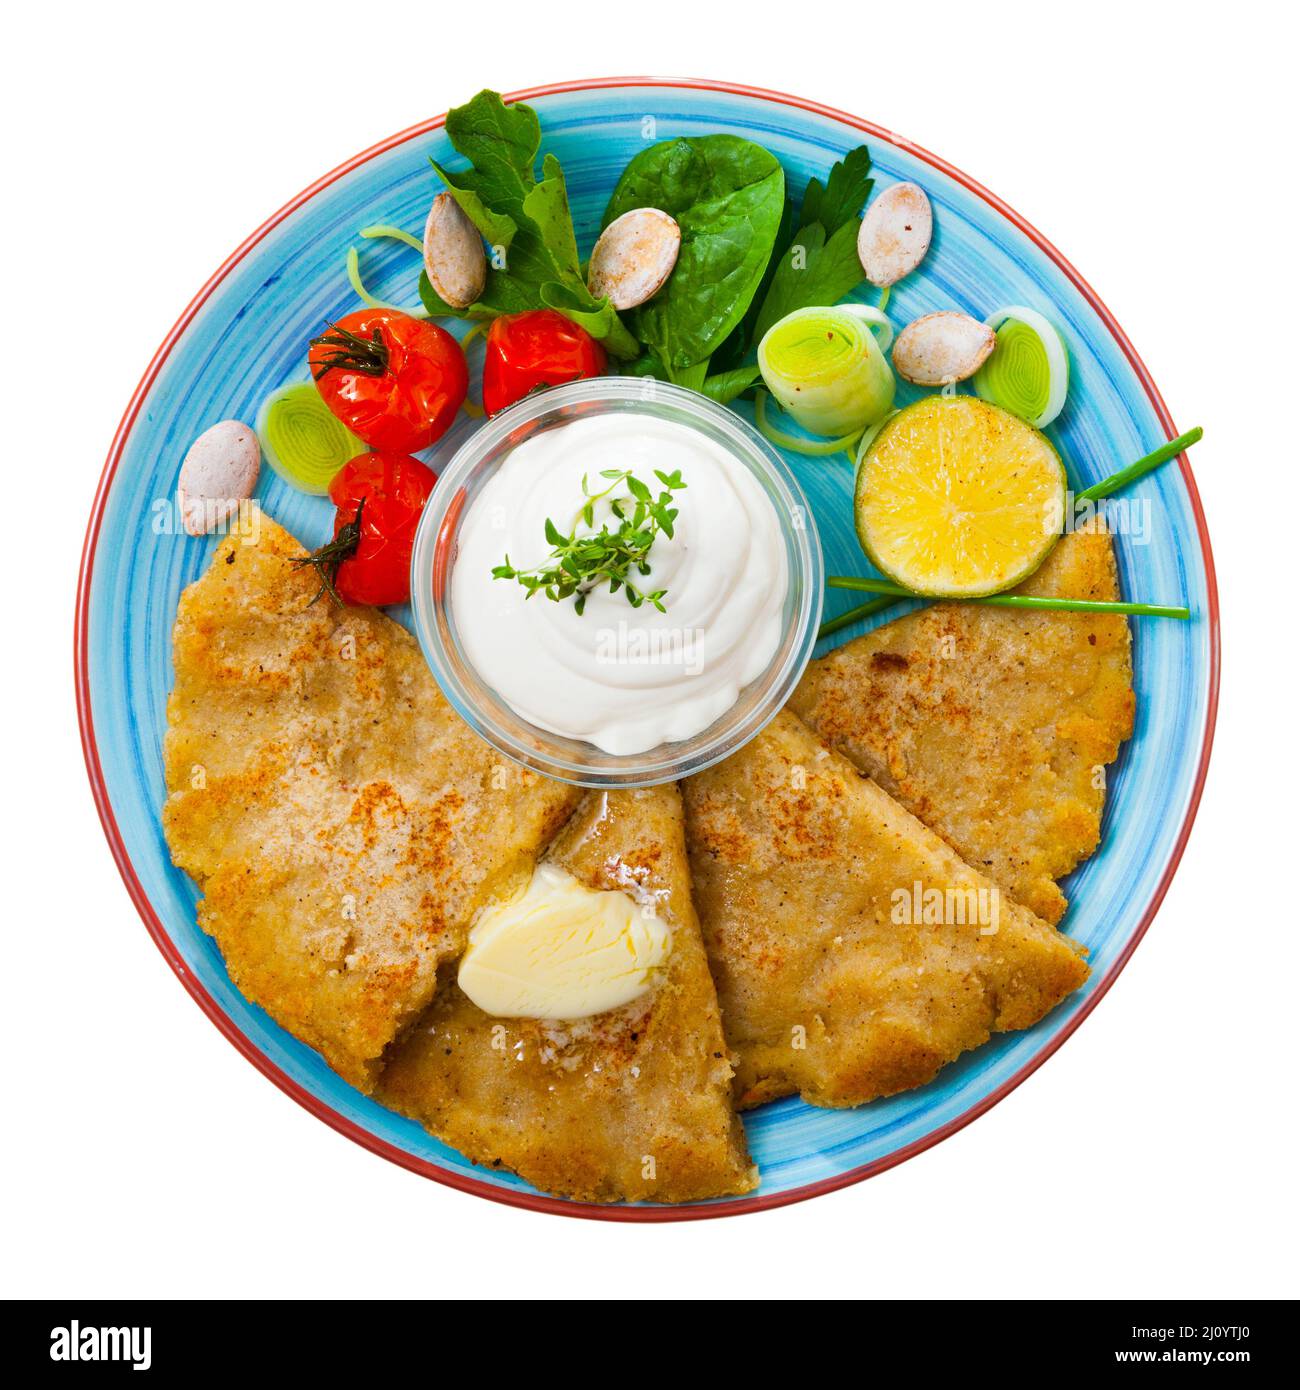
pixel 820 265
pixel 546 205
pixel 501 295
pixel 497 229
pixel 601 322
pixel 727 195
pixel 501 144
pixel 526 221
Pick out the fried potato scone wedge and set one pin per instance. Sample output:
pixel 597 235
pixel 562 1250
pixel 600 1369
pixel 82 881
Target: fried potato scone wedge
pixel 632 1105
pixel 343 822
pixel 841 974
pixel 992 725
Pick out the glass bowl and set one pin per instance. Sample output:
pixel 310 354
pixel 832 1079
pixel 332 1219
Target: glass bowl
pixel 573 760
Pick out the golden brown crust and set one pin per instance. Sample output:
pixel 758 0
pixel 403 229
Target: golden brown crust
pixel 634 1105
pixel 992 725
pixel 343 822
pixel 346 826
pixel 798 861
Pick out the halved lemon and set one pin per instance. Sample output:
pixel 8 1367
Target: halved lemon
pixel 957 497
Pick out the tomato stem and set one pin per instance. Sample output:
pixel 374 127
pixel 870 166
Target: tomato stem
pixel 351 352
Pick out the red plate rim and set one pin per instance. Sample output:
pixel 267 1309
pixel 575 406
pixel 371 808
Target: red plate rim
pixel 528 1200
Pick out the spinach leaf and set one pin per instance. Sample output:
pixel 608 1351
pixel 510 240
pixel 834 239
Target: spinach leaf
pixel 727 195
pixel 739 346
pixel 820 265
pixel 724 387
pixel 646 365
pixel 526 222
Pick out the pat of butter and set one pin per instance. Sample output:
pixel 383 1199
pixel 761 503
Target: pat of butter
pixel 560 950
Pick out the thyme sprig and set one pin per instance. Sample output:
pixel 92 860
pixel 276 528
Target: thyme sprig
pixel 578 563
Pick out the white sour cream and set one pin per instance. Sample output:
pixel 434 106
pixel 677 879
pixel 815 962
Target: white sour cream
pixel 625 679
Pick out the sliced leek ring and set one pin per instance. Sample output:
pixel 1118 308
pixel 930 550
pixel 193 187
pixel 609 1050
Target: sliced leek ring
pixel 1029 370
pixel 382 232
pixel 868 438
pixel 814 448
pixel 303 440
pixel 827 368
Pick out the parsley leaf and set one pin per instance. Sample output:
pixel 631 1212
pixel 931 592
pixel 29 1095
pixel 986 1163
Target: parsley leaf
pixel 848 186
pixel 820 265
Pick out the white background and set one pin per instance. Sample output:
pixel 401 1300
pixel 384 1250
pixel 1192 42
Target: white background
pixel 1154 1155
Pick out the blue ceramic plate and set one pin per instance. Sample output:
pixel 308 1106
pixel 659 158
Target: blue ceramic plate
pixel 244 335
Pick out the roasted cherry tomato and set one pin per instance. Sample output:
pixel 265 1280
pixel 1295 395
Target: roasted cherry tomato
pixel 379 498
pixel 537 348
pixel 395 381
